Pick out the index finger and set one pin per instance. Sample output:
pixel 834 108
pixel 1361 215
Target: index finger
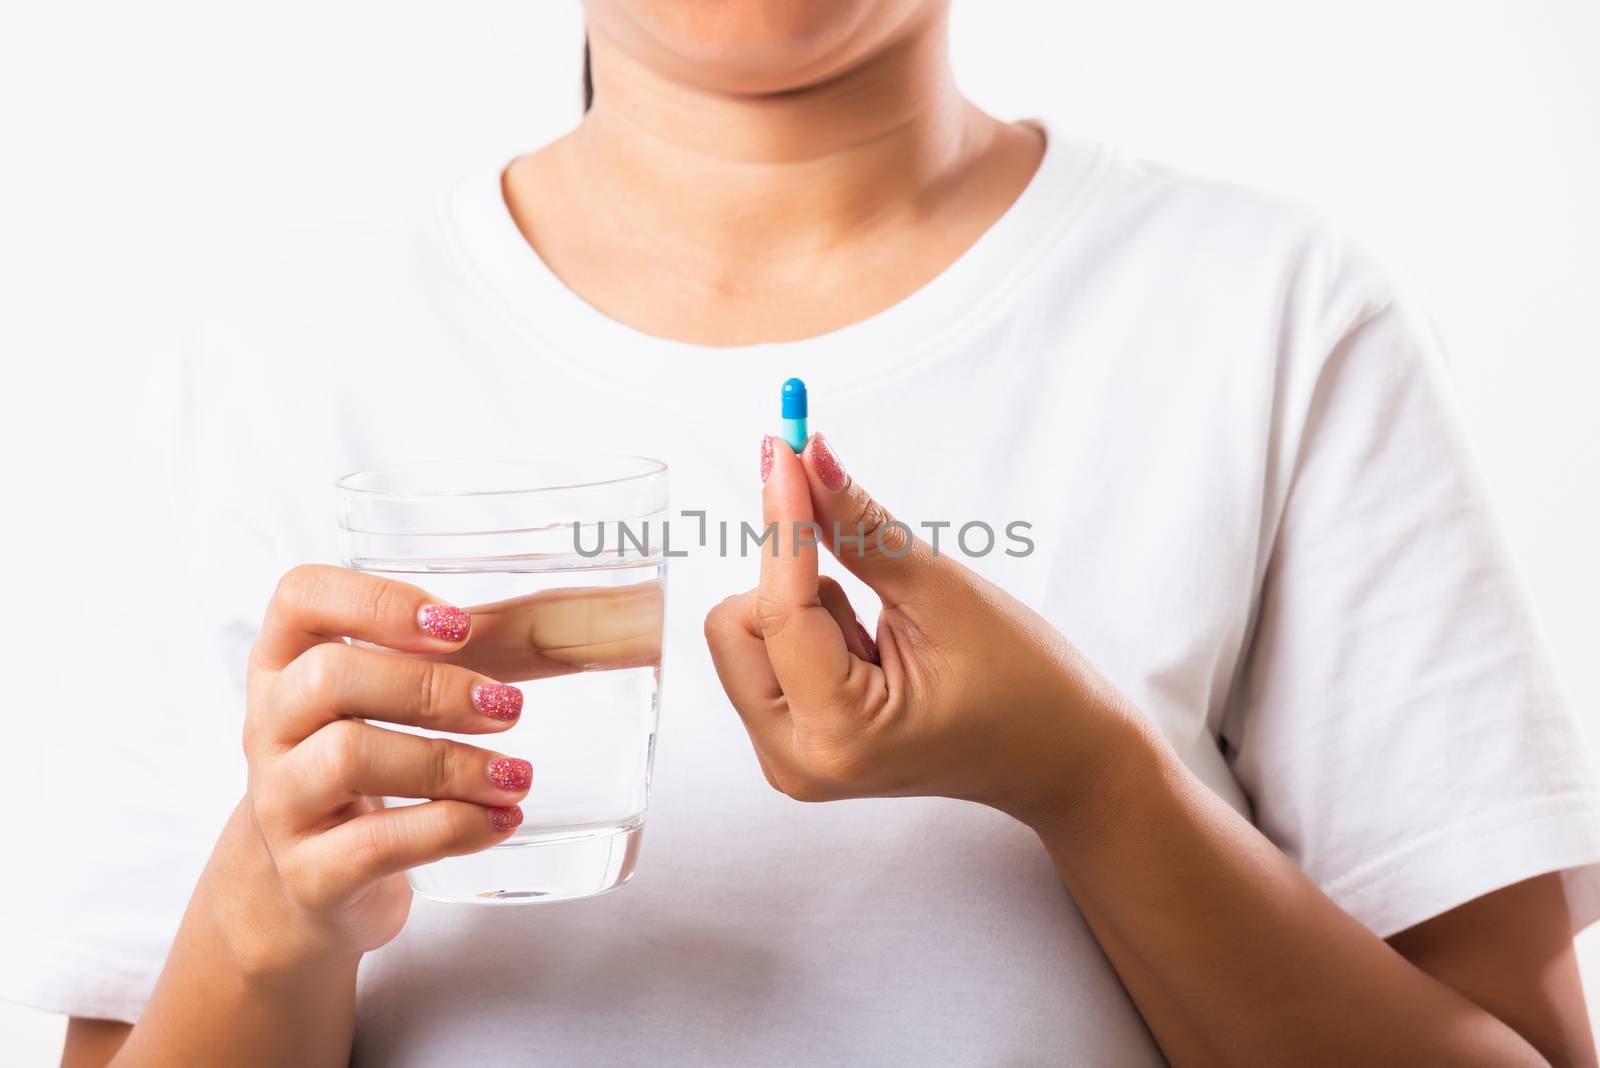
pixel 806 648
pixel 315 603
pixel 560 631
pixel 789 568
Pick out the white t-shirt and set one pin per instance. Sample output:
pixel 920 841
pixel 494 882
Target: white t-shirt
pixel 1252 507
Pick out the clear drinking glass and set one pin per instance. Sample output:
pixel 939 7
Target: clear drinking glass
pixel 559 562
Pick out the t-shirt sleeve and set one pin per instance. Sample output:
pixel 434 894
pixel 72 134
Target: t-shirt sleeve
pixel 138 756
pixel 1396 721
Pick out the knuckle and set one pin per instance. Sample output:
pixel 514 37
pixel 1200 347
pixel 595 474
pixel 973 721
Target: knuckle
pixel 890 538
pixel 838 758
pixel 457 826
pixel 771 615
pixel 436 829
pixel 866 514
pixel 805 789
pixel 431 682
pixel 838 764
pixel 378 602
pixel 771 777
pixel 251 733
pixel 714 624
pixel 439 764
pixel 879 533
pixel 306 884
pixel 272 811
pixel 297 585
pixel 722 619
pixel 341 754
pixel 792 781
pixel 316 674
pixel 371 848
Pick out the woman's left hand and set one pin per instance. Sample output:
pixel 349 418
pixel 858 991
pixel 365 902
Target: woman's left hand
pixel 964 693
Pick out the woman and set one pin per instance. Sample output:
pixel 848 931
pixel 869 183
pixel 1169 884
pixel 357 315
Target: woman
pixel 1255 758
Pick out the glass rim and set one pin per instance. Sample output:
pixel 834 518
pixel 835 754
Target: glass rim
pixel 652 468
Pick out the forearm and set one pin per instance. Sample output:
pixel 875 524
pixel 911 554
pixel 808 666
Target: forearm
pixel 235 990
pixel 1230 952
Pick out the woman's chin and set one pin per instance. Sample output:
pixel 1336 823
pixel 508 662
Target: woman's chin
pixel 753 47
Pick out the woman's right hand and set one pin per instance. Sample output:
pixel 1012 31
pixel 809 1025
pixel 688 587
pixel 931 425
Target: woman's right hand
pixel 318 772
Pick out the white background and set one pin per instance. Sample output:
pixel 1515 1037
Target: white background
pixel 143 146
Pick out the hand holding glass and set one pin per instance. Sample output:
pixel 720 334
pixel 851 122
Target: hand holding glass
pixel 513 543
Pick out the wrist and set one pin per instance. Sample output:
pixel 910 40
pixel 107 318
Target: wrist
pixel 267 940
pixel 243 974
pixel 1093 764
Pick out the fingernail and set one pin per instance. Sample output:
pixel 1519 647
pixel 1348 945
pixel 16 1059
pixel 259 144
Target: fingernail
pixel 497 701
pixel 866 640
pixel 829 469
pixel 444 622
pixel 766 457
pixel 505 818
pixel 509 773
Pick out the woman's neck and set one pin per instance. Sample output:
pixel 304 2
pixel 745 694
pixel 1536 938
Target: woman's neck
pixel 732 218
pixel 757 176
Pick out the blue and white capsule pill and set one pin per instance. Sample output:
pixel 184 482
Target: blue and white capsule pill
pixel 794 414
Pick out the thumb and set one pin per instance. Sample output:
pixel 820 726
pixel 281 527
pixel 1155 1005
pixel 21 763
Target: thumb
pixel 877 548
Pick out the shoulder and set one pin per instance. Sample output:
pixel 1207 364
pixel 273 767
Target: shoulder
pixel 1236 247
pixel 317 277
pixel 304 352
pixel 322 309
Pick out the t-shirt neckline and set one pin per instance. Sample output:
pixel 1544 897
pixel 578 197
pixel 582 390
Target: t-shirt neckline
pixel 555 319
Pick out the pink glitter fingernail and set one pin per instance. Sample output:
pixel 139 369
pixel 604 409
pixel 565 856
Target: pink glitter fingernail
pixel 444 622
pixel 509 773
pixel 866 640
pixel 497 701
pixel 504 819
pixel 829 469
pixel 766 457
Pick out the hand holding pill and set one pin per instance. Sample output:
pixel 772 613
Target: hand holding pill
pixel 963 692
